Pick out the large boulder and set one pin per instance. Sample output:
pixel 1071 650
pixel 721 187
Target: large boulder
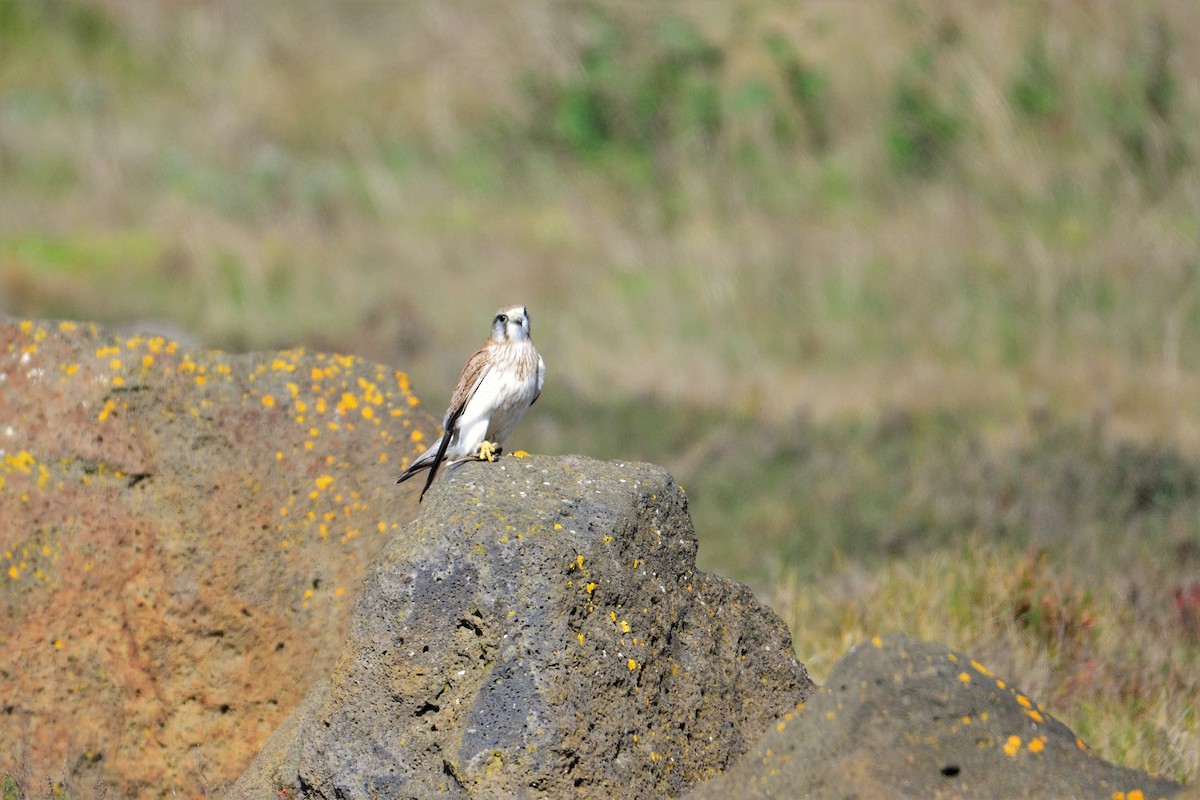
pixel 903 718
pixel 540 630
pixel 181 538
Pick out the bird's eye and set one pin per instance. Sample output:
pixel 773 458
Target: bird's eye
pixel 502 319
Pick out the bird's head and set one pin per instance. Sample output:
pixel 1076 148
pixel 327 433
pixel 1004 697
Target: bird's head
pixel 510 324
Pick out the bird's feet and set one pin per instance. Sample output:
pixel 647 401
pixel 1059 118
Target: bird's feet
pixel 489 451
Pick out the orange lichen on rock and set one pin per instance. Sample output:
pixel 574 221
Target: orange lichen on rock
pixel 164 482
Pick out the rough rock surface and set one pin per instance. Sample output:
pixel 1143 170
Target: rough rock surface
pixel 181 539
pixel 539 630
pixel 903 718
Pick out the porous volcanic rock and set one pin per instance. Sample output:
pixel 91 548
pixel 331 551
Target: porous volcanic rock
pixel 540 630
pixel 181 538
pixel 903 718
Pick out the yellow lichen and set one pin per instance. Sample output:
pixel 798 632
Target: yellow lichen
pixel 1012 746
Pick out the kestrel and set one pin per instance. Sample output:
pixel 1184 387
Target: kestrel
pixel 497 386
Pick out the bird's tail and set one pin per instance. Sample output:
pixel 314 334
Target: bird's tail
pixel 425 461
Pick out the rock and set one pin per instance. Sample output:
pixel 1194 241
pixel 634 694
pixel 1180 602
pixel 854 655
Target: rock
pixel 540 630
pixel 899 717
pixel 182 536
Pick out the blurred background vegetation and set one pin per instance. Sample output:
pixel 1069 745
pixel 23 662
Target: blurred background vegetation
pixel 905 293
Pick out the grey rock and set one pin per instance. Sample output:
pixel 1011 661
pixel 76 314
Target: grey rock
pixel 540 630
pixel 903 718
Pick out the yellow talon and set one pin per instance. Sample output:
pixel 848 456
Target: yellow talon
pixel 487 451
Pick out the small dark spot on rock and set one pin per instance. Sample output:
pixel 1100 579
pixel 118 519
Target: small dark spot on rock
pixel 951 770
pixel 224 708
pixel 471 625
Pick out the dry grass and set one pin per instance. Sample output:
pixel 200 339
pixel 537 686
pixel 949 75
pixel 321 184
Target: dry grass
pixel 976 215
pixel 270 174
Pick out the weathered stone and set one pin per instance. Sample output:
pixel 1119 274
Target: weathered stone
pixel 181 538
pixel 902 718
pixel 540 630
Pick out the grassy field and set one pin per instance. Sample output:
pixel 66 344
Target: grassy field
pixel 907 294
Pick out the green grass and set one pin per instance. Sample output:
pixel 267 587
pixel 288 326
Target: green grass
pixel 906 295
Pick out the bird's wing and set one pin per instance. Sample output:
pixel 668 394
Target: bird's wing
pixel 468 381
pixel 472 375
pixel 541 379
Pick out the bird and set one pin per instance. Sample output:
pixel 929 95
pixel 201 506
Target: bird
pixel 497 386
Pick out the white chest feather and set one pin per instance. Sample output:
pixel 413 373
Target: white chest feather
pixel 509 387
